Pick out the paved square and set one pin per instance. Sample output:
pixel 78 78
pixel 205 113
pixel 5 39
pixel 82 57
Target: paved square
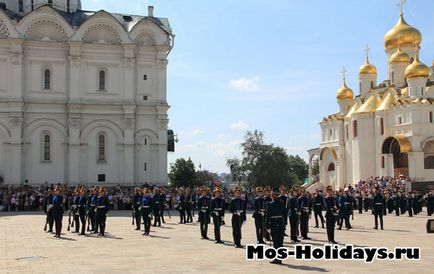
pixel 176 248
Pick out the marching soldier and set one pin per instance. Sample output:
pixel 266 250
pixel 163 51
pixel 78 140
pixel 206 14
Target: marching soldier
pixel 259 215
pixel 409 205
pixel 58 210
pixel 318 203
pixel 267 200
pixel 360 202
pixel 157 199
pixel 217 213
pixel 389 202
pixel 92 210
pixel 378 203
pixel 102 207
pixel 238 209
pixel 181 206
pixel 293 215
pixel 204 210
pixel 330 206
pixel 430 203
pixel 136 202
pixel 275 217
pixel 146 208
pixel 396 203
pixel 344 210
pixel 162 204
pixel 49 209
pixel 82 210
pixel 283 197
pixel 189 203
pixel 303 208
pixel 75 213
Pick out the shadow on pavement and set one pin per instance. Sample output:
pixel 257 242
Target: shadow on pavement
pixel 306 268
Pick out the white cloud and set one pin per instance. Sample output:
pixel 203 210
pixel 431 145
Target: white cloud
pixel 240 125
pixel 244 84
pixel 196 132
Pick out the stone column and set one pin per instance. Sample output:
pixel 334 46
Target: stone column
pixel 129 163
pixel 74 72
pixel 15 172
pixel 74 149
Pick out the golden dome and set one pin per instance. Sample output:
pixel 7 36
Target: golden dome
pixel 367 69
pixel 345 93
pixel 416 69
pixel 399 57
pixel 403 34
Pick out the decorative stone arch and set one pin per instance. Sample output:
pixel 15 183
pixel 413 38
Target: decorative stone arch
pixel 7 30
pixel 44 122
pixel 325 149
pixel 152 135
pixel 398 146
pixel 101 124
pixel 147 33
pixel 44 23
pixel 428 153
pixel 102 27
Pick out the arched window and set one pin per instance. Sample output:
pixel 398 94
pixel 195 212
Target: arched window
pixel 47 79
pixel 50 2
pixel 372 85
pixel 355 129
pixel 101 148
pixel 20 5
pixel 429 155
pixel 102 80
pixel 392 77
pixel 331 167
pixel 47 148
pixel 381 126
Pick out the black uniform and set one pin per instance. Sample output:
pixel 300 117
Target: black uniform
pixel 58 213
pixel 293 218
pixel 330 206
pixel 204 209
pixel 259 214
pixel 238 208
pixel 76 213
pixel 156 209
pixel 430 204
pixel 181 207
pixel 410 205
pixel 378 203
pixel 360 203
pixel 137 201
pixel 146 209
pixel 162 206
pixel 82 213
pixel 49 211
pixel 318 203
pixel 390 204
pixel 267 201
pixel 189 207
pixel 92 212
pixel 102 207
pixel 303 208
pixel 275 217
pixel 284 200
pixel 344 211
pixel 218 215
pixel 396 204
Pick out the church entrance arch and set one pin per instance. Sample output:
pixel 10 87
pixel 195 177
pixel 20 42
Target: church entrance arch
pixel 398 146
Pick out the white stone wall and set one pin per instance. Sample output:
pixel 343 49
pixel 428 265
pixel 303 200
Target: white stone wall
pixel 74 112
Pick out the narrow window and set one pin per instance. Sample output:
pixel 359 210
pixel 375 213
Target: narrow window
pixel 393 77
pixel 146 141
pixel 331 167
pixel 399 120
pixel 20 5
pixel 47 79
pixel 354 129
pixel 67 5
pixel 372 85
pixel 431 117
pixel 145 77
pixel 102 80
pixel 50 2
pixel 331 133
pixel 381 126
pixel 47 148
pixel 421 90
pixel 382 162
pixel 101 177
pixel 145 166
pixel 32 4
pixel 347 131
pixel 101 148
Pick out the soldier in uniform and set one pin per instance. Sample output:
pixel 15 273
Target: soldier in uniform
pixel 75 213
pixel 102 207
pixel 303 208
pixel 259 214
pixel 430 203
pixel 147 206
pixel 157 209
pixel 217 213
pixel 378 203
pixel 82 210
pixel 345 210
pixel 318 203
pixel 58 210
pixel 409 205
pixel 189 203
pixel 136 202
pixel 275 220
pixel 204 211
pixel 238 209
pixel 360 202
pixel 162 203
pixel 267 200
pixel 181 206
pixel 389 202
pixel 284 199
pixel 396 203
pixel 49 209
pixel 91 210
pixel 293 215
pixel 331 208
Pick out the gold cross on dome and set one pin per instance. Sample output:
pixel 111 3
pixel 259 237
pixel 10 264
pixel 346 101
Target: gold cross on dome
pixel 401 5
pixel 344 71
pixel 367 49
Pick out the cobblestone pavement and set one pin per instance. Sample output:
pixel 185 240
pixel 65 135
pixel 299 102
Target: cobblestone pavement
pixel 177 248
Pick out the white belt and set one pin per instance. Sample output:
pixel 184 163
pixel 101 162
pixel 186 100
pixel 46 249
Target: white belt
pixel 378 203
pixel 92 205
pixel 218 208
pixel 50 206
pixel 276 217
pixel 145 206
pixel 347 203
pixel 318 204
pixel 101 206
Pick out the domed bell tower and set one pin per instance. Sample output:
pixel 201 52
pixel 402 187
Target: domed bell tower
pixel 344 95
pixel 367 75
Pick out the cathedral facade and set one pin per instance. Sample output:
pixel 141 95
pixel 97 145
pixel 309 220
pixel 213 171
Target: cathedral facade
pixel 388 128
pixel 82 94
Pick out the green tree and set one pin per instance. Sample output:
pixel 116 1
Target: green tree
pixel 299 167
pixel 236 168
pixel 206 178
pixel 183 173
pixel 315 168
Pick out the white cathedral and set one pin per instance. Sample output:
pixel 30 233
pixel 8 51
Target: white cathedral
pixel 388 128
pixel 82 95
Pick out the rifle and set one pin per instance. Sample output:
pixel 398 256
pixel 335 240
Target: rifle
pixel 69 220
pixel 88 220
pixel 168 213
pixel 46 223
pixel 133 213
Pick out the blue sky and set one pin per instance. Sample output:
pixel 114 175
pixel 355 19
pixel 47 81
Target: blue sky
pixel 271 65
